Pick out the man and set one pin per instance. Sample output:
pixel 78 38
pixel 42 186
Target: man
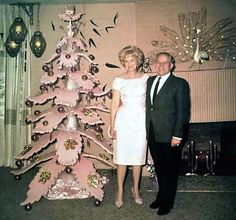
pixel 167 116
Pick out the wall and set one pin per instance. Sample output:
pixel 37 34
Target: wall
pixel 138 23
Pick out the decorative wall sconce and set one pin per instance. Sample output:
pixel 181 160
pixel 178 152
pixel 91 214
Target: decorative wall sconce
pixel 37 44
pixel 18 32
pixel 12 47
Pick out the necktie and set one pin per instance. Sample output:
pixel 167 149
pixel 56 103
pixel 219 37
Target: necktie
pixel 155 90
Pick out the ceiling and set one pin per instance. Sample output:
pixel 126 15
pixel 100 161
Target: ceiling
pixel 54 2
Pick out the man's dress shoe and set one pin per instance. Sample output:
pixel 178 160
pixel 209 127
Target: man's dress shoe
pixel 163 211
pixel 154 205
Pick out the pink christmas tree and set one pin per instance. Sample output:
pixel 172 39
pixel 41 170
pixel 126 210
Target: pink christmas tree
pixel 70 123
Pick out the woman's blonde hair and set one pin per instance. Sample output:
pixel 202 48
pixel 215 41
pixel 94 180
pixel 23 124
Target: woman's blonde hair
pixel 134 51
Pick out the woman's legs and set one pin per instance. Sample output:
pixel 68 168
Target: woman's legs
pixel 121 172
pixel 136 179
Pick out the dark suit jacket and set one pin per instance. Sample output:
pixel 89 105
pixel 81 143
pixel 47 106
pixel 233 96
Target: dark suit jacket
pixel 171 110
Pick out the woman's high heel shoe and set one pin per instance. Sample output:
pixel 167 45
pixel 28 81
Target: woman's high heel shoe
pixel 118 204
pixel 139 200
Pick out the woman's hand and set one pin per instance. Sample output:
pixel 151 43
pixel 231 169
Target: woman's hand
pixel 112 133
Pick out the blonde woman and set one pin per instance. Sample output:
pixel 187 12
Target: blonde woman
pixel 127 125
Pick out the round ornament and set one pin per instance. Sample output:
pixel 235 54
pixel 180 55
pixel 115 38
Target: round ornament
pixel 98 129
pixel 58 50
pixel 17 177
pixel 84 77
pixel 94 69
pixel 91 57
pixel 91 94
pixel 68 56
pixel 61 109
pixel 50 73
pixel 45 68
pixel 28 207
pixel 28 103
pixel 19 163
pixel 68 169
pixel 45 123
pixel 37 112
pixel 34 137
pixel 72 69
pixel 97 203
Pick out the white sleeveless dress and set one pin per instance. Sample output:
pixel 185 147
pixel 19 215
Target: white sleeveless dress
pixel 130 146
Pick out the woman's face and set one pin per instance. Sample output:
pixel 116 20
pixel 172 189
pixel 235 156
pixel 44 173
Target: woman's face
pixel 130 63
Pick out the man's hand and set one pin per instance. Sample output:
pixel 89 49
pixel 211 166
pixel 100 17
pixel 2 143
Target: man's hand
pixel 175 142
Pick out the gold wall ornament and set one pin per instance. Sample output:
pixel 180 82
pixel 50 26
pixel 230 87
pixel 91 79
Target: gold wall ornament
pixel 18 30
pixel 38 44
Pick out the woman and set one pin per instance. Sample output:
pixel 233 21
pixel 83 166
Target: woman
pixel 127 127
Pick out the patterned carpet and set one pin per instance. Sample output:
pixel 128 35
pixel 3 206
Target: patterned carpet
pixel 198 198
pixel 198 184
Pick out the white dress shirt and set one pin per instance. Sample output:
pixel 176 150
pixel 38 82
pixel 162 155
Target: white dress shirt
pixel 161 83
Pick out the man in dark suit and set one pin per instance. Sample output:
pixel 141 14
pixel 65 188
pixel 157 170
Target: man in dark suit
pixel 167 116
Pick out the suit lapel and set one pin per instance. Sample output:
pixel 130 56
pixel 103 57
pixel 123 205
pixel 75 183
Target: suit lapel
pixel 166 85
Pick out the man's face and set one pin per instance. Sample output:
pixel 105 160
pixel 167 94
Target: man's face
pixel 163 65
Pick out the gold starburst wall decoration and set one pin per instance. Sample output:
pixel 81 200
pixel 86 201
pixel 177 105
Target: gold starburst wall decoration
pixel 197 43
